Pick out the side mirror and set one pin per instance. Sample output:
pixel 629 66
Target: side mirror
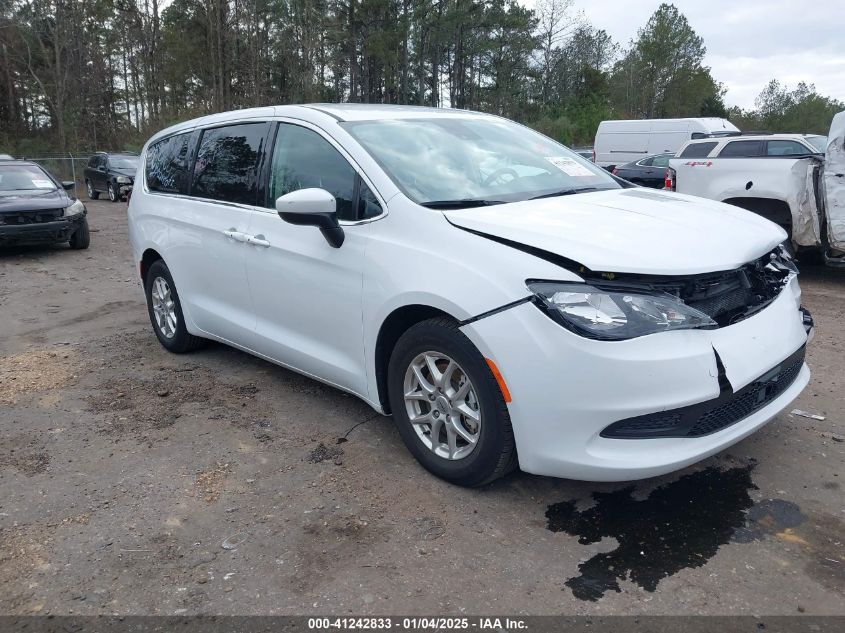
pixel 68 185
pixel 312 207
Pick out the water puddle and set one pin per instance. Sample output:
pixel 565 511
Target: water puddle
pixel 678 526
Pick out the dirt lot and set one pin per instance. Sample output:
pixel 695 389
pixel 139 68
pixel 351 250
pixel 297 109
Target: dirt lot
pixel 133 481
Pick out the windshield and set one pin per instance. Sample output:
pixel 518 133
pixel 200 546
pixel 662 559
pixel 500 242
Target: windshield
pixel 24 178
pixel 462 160
pixel 123 162
pixel 819 142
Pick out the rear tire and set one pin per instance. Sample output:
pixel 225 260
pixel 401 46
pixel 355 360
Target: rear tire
pixel 81 238
pixel 165 311
pixel 492 454
pixel 92 193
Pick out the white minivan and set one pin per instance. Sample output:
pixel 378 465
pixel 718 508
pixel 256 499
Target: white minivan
pixel 625 141
pixel 508 302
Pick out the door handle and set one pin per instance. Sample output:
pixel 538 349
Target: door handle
pixel 237 236
pixel 257 240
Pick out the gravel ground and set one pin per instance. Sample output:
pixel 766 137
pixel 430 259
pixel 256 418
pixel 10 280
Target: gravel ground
pixel 134 481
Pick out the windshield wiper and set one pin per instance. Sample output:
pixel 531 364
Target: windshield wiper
pixel 460 204
pixel 566 192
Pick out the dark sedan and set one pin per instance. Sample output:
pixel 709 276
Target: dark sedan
pixel 35 208
pixel 647 172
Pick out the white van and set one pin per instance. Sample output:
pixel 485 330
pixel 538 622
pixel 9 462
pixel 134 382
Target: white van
pixel 620 142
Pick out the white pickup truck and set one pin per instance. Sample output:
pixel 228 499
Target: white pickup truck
pixel 795 180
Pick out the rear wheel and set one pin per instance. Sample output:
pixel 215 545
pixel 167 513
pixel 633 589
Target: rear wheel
pixel 81 238
pixel 448 407
pixel 165 311
pixel 92 194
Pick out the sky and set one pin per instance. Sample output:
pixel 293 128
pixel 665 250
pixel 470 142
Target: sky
pixel 748 42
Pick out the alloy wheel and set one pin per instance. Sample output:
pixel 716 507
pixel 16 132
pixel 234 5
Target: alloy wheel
pixel 164 307
pixel 442 405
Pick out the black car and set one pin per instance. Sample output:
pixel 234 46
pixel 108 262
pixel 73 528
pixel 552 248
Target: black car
pixel 112 174
pixel 35 208
pixel 648 172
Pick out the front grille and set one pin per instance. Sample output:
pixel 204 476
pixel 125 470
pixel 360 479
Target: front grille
pixel 41 216
pixel 746 401
pixel 729 300
pixel 714 415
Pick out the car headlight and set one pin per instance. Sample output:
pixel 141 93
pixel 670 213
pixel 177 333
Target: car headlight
pixel 615 313
pixel 123 180
pixel 75 209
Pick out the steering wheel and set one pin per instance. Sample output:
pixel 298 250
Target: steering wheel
pixel 496 175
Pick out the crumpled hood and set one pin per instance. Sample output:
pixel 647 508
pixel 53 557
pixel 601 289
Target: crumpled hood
pixel 631 230
pixel 129 173
pixel 15 201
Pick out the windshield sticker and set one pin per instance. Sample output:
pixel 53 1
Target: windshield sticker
pixel 569 166
pixel 43 184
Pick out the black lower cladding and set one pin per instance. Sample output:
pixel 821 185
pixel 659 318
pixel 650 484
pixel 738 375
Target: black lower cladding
pixel 704 418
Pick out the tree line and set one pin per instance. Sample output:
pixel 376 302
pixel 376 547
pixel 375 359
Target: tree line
pixel 77 75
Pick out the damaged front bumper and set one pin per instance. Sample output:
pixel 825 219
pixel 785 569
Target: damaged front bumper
pixel 809 324
pixel 56 231
pixel 566 389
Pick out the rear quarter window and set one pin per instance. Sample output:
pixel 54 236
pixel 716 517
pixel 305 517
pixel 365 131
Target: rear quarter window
pixel 698 150
pixel 786 148
pixel 168 163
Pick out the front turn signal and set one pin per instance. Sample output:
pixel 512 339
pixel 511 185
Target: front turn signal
pixel 498 376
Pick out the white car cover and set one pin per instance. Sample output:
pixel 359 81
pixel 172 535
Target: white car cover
pixel 834 182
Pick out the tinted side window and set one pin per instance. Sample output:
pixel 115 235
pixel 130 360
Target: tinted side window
pixel 227 163
pixel 697 150
pixel 368 205
pixel 302 159
pixel 167 164
pixel 741 149
pixel 92 162
pixel 785 148
pixel 645 162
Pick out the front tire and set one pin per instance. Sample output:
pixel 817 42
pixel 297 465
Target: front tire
pixel 92 193
pixel 113 195
pixel 81 238
pixel 165 311
pixel 448 407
